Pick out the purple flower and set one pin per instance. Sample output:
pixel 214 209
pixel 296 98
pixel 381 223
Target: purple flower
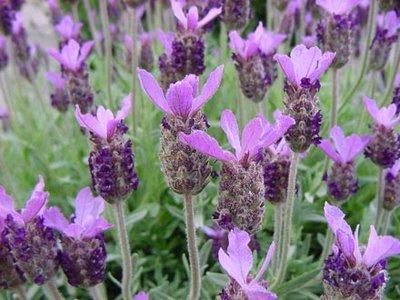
pixel 238 261
pixel 378 247
pixel 259 40
pixel 104 124
pixel 304 64
pixel 389 23
pixel 166 39
pixel 67 29
pixel 190 21
pixel 182 98
pixel 385 116
pixel 72 55
pixel 309 40
pixel 141 296
pixel 338 7
pixel 56 80
pixel 257 134
pixel 344 149
pixel 17 24
pixel 87 221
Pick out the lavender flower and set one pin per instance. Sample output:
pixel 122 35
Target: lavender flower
pixel 83 254
pixel 254 61
pixel 384 148
pixel 334 31
pixel 141 296
pixel 59 98
pixel 185 170
pixel 6 17
pixel 241 174
pixel 73 67
pixel 396 93
pixel 352 271
pixel 55 12
pixel 236 13
pixel 67 29
pixel 165 63
pixel 386 35
pixel 3 53
pixel 111 162
pixel 146 57
pixel 303 69
pixel 391 196
pixel 188 46
pixel 342 181
pixel 237 262
pixel 31 244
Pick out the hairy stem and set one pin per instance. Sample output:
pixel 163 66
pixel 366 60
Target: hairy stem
pixel 75 11
pixel 125 250
pixel 105 23
pixel 396 65
pixel 364 66
pixel 379 204
pixel 92 26
pixel 96 293
pixel 287 220
pixel 386 222
pixel 134 65
pixel 52 290
pixel 278 218
pixel 334 115
pixel 195 279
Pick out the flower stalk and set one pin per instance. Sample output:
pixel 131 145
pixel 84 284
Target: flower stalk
pixel 134 65
pixel 123 238
pixel 379 206
pixel 52 290
pixel 195 274
pixel 277 234
pixel 92 26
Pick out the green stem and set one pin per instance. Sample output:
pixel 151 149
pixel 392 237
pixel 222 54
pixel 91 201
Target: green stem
pixel 127 268
pixel 335 103
pixel 96 293
pixel 269 15
pixel 287 222
pixel 75 13
pixel 379 205
pixel 223 41
pixel 134 65
pixel 107 45
pixel 277 234
pixel 386 222
pixel 329 238
pixel 396 64
pixel 371 29
pixel 195 279
pixel 52 290
pixel 92 26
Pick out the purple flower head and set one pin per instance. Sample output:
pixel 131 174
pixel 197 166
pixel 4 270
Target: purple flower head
pixel 56 80
pixel 33 207
pixel 141 296
pixel 190 21
pixel 17 24
pixel 257 134
pixel 72 55
pixel 238 261
pixel 280 149
pixel 67 29
pixel 87 221
pixel 104 124
pixel 259 40
pixel 378 247
pixel 385 116
pixel 395 169
pixel 304 63
pixel 338 7
pixel 389 23
pixel 146 38
pixel 166 39
pixel 182 98
pixel 343 149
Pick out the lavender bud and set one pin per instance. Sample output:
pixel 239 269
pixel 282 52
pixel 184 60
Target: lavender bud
pixel 112 166
pixel 384 149
pixel 146 58
pixel 302 105
pixel 185 169
pixel 276 173
pixel 236 13
pixel 60 100
pixel 391 196
pixel 33 247
pixel 343 280
pixel 241 197
pixel 396 97
pixel 6 17
pixel 342 181
pixel 380 49
pixel 11 275
pixel 334 33
pixel 78 87
pixel 83 260
pixel 167 72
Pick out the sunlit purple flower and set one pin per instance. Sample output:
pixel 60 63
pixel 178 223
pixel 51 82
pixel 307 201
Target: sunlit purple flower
pixel 67 29
pixel 112 162
pixel 186 170
pixel 303 69
pixel 32 245
pixel 141 296
pixel 83 252
pixel 388 25
pixel 241 173
pixel 384 149
pixel 3 53
pixel 59 98
pixel 238 262
pixel 352 270
pixel 254 60
pixel 342 181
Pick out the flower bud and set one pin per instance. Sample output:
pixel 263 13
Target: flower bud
pixel 236 13
pixel 342 181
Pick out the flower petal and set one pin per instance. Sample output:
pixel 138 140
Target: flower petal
pixel 178 12
pixel 89 122
pixel 87 207
pixel 212 14
pixel 230 127
pixel 53 218
pixel 287 67
pixel 125 109
pixel 180 98
pixel 36 203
